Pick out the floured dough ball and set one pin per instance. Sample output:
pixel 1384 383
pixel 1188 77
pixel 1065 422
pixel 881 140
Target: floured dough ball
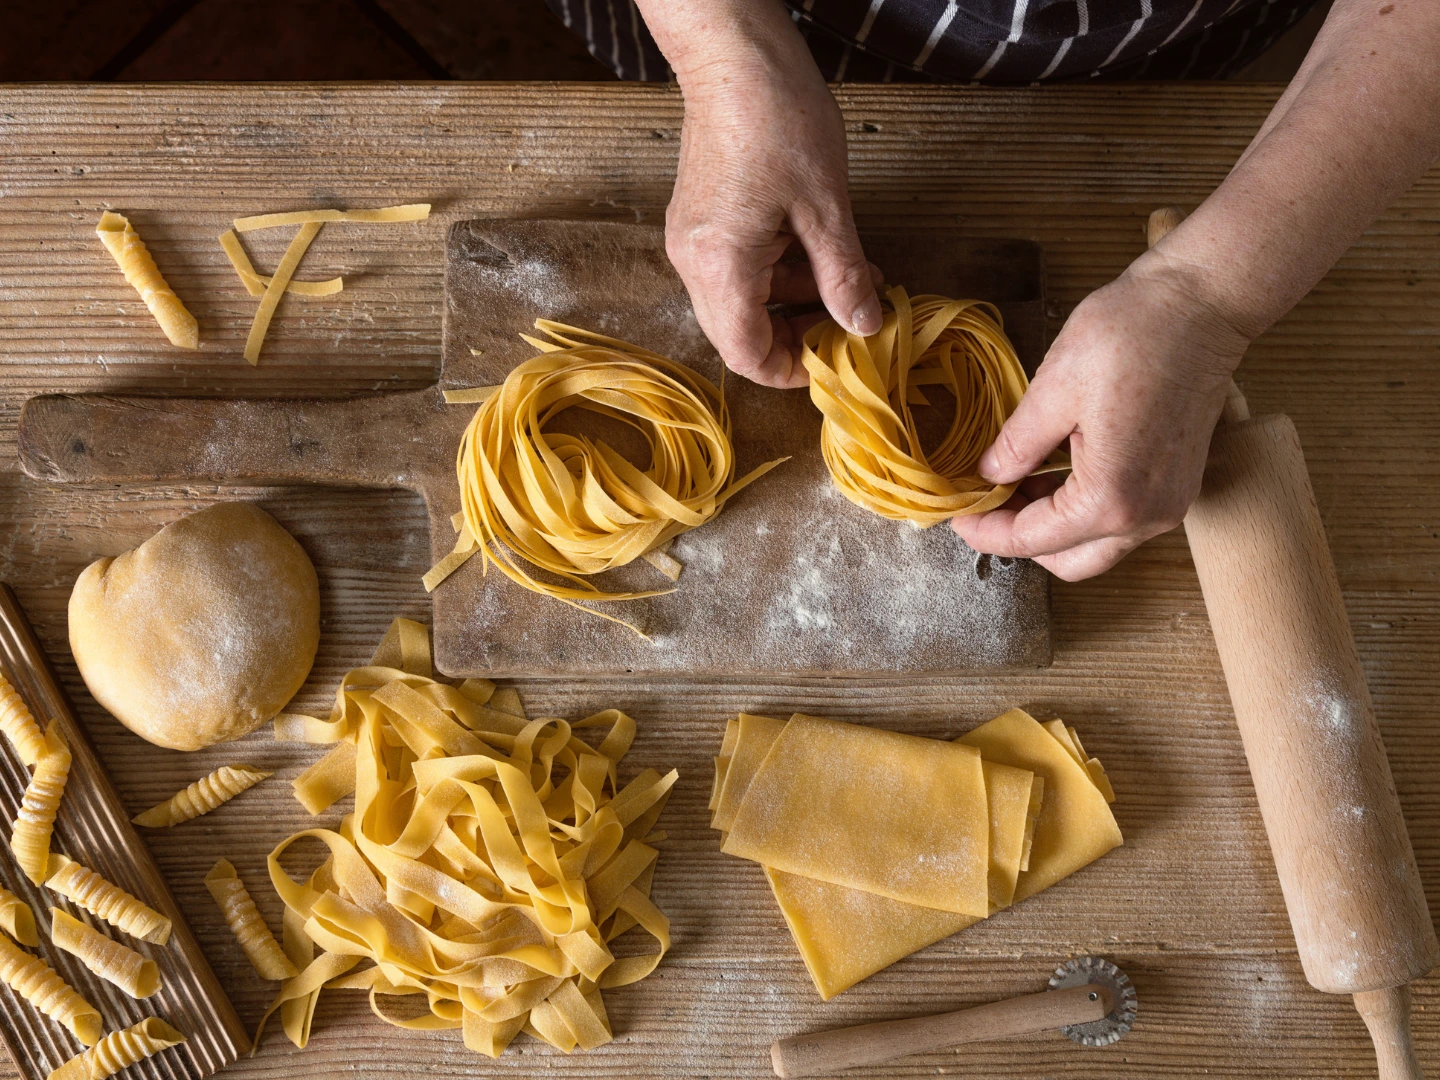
pixel 203 632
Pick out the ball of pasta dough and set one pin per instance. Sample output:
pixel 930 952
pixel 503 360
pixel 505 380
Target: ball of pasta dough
pixel 203 632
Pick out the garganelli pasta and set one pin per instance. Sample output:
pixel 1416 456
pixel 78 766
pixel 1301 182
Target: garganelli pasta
pixel 105 900
pixel 136 263
pixel 119 1050
pixel 488 863
pixel 19 724
pixel 17 919
pixel 572 505
pixel 36 981
pixel 137 975
pixel 243 918
pixel 202 796
pixel 35 823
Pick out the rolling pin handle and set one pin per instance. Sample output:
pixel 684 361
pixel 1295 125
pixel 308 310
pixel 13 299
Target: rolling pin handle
pixel 1387 1014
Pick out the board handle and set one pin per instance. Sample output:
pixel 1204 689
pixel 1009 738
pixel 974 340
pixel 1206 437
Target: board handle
pixel 826 1052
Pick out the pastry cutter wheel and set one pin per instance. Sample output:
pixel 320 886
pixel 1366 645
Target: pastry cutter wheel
pixel 1090 1000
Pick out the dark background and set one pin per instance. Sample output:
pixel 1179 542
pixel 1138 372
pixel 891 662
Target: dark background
pixel 244 40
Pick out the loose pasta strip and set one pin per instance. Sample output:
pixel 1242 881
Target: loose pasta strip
pixel 278 284
pixel 202 796
pixel 245 923
pixel 30 839
pixel 383 214
pixel 256 283
pixel 135 261
pixel 137 975
pixel 119 1050
pixel 19 724
pixel 107 901
pixel 36 981
pixel 17 919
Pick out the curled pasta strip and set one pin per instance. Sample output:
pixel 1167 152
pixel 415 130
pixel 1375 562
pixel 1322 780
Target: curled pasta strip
pixel 202 796
pixel 243 918
pixel 105 900
pixel 36 981
pixel 119 1050
pixel 19 724
pixel 137 975
pixel 136 263
pixel 865 388
pixel 569 504
pixel 34 824
pixel 17 919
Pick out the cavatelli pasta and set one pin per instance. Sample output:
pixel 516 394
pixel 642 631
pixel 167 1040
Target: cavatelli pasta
pixel 17 919
pixel 202 796
pixel 119 1050
pixel 106 901
pixel 36 981
pixel 137 975
pixel 246 924
pixel 19 724
pixel 30 840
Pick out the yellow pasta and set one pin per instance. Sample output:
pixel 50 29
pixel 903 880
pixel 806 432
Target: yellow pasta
pixel 30 838
pixel 572 505
pixel 202 796
pixel 17 919
pixel 84 887
pixel 19 724
pixel 245 923
pixel 865 387
pixel 137 975
pixel 260 325
pixel 36 981
pixel 489 863
pixel 119 1050
pixel 256 284
pixel 134 260
pixel 382 214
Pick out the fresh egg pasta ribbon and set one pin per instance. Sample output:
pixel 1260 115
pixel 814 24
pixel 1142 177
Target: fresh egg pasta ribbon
pixel 865 387
pixel 204 795
pixel 488 863
pixel 136 263
pixel 571 505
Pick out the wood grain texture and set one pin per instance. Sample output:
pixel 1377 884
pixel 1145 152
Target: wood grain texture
pixel 1190 907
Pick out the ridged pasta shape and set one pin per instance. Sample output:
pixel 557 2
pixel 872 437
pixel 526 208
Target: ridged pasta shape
pixel 19 724
pixel 119 1050
pixel 30 840
pixel 17 919
pixel 107 901
pixel 119 964
pixel 202 796
pixel 37 982
pixel 249 928
pixel 138 266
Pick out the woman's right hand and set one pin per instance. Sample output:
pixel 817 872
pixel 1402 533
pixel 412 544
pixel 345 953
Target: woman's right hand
pixel 762 171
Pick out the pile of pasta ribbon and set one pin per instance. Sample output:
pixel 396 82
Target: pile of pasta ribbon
pixel 471 870
pixel 866 386
pixel 572 505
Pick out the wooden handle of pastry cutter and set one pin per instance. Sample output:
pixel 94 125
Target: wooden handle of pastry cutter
pixel 1321 776
pixel 827 1052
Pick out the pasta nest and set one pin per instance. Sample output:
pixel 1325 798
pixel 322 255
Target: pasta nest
pixel 572 505
pixel 866 386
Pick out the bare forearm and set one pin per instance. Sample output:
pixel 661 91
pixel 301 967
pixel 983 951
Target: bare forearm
pixel 717 37
pixel 1357 127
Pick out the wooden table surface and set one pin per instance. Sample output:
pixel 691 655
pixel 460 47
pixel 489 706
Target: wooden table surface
pixel 1189 907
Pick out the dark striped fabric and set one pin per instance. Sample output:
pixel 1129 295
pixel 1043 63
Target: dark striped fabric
pixel 986 41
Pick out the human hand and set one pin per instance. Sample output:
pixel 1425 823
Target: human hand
pixel 763 172
pixel 1135 381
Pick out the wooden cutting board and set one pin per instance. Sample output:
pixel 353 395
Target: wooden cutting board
pixel 791 579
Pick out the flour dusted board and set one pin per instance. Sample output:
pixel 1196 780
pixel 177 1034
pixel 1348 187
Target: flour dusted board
pixel 791 578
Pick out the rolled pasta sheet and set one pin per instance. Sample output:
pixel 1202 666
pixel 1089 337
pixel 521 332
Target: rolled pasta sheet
pixel 17 919
pixel 119 1050
pixel 19 724
pixel 136 263
pixel 106 900
pixel 202 796
pixel 37 982
pixel 30 839
pixel 137 975
pixel 260 946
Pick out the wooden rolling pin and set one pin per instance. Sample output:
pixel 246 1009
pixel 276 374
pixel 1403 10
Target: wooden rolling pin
pixel 1321 776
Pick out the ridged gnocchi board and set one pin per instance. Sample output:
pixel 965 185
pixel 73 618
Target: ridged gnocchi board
pixel 94 828
pixel 791 579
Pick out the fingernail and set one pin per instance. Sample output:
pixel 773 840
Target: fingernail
pixel 866 319
pixel 989 467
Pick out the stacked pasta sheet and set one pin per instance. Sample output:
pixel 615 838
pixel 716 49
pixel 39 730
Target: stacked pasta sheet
pixel 877 844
